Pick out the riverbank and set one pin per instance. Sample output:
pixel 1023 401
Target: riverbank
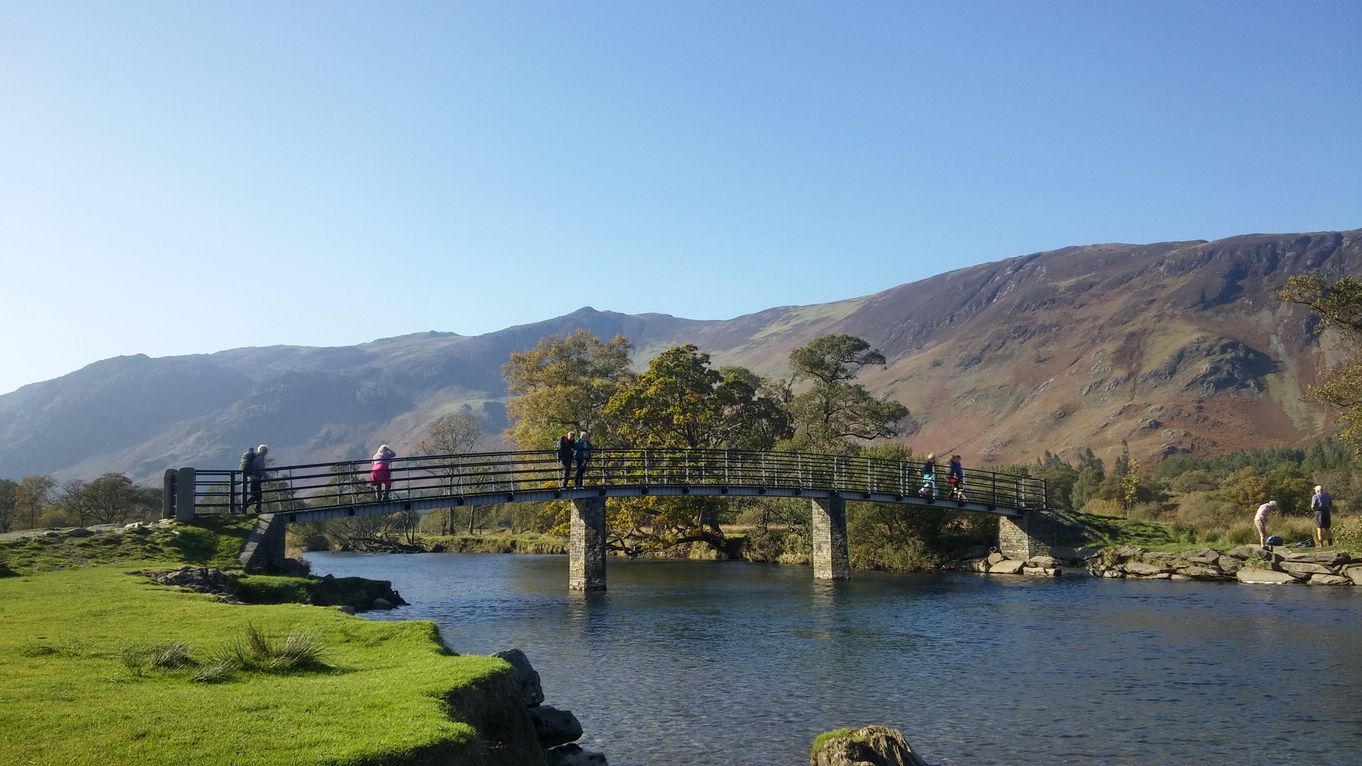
pixel 102 665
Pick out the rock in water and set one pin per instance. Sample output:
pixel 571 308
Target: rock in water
pixel 867 746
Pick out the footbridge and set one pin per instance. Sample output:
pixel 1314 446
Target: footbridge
pixel 294 494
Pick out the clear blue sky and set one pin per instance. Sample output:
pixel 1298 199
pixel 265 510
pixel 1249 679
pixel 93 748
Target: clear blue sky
pixel 182 177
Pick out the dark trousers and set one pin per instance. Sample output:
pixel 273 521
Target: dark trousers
pixel 567 472
pixel 253 494
pixel 581 469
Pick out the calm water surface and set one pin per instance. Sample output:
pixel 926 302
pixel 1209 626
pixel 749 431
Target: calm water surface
pixel 734 663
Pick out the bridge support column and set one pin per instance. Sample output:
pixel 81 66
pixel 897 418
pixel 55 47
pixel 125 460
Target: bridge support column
pixel 1031 534
pixel 830 558
pixel 184 495
pixel 586 545
pixel 263 550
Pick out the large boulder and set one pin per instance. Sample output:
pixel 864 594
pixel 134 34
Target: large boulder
pixel 1264 577
pixel 866 746
pixel 1141 569
pixel 1229 564
pixel 1323 579
pixel 1304 568
pixel 1324 558
pixel 526 677
pixel 1354 573
pixel 555 727
pixel 1007 566
pixel 1203 556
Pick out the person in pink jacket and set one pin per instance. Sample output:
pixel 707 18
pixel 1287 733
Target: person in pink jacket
pixel 381 472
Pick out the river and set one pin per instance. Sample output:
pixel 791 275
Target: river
pixel 732 663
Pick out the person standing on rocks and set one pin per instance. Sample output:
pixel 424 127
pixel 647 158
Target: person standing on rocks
pixel 1323 506
pixel 1260 521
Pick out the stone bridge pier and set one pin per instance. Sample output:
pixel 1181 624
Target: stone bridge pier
pixel 830 559
pixel 586 545
pixel 1033 533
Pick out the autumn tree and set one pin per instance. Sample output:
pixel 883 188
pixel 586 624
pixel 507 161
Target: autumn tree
pixel 563 384
pixel 1340 306
pixel 682 403
pixel 835 413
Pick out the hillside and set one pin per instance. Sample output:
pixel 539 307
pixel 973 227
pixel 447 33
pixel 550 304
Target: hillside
pixel 1178 346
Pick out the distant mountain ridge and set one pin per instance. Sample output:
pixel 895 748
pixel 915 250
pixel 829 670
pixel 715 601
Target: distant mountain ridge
pixel 1170 347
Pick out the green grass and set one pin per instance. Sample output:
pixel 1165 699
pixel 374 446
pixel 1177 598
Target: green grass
pixel 213 542
pixel 102 666
pixel 1151 535
pixel 821 739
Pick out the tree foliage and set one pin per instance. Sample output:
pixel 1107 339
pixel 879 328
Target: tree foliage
pixel 1340 306
pixel 109 499
pixel 834 413
pixel 680 401
pixel 563 384
pixel 450 435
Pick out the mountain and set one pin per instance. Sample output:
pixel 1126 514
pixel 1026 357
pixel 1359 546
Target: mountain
pixel 1170 347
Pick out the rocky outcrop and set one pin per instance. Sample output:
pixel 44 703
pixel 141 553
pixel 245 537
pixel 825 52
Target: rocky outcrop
pixel 866 746
pixel 1245 564
pixel 555 730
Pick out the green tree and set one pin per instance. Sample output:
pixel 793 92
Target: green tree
pixel 1246 488
pixel 30 498
pixel 7 490
pixel 110 499
pixel 563 384
pixel 834 413
pixel 1340 306
pixel 681 403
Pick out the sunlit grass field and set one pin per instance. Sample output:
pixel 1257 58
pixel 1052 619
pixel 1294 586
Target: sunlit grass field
pixel 101 666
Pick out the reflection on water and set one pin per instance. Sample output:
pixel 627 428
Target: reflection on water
pixel 732 663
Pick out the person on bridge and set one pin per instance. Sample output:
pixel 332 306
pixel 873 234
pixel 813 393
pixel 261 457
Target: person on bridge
pixel 565 455
pixel 254 475
pixel 929 476
pixel 1323 506
pixel 581 450
pixel 955 476
pixel 1260 520
pixel 381 472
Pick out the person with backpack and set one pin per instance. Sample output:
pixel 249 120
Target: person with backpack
pixel 1323 506
pixel 566 452
pixel 955 476
pixel 581 450
pixel 253 476
pixel 381 472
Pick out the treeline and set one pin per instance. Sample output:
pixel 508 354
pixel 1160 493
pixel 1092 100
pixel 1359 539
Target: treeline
pixel 38 502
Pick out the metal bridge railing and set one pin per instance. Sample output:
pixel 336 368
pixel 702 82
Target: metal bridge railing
pixel 346 483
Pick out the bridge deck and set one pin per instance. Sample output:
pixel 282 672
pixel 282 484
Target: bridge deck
pixel 430 482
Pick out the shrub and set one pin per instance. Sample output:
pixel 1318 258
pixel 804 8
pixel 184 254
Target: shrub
pixel 1348 533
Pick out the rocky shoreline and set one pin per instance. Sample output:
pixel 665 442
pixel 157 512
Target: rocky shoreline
pixel 1276 565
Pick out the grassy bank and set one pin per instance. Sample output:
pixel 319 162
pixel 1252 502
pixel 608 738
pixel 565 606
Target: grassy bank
pixel 102 666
